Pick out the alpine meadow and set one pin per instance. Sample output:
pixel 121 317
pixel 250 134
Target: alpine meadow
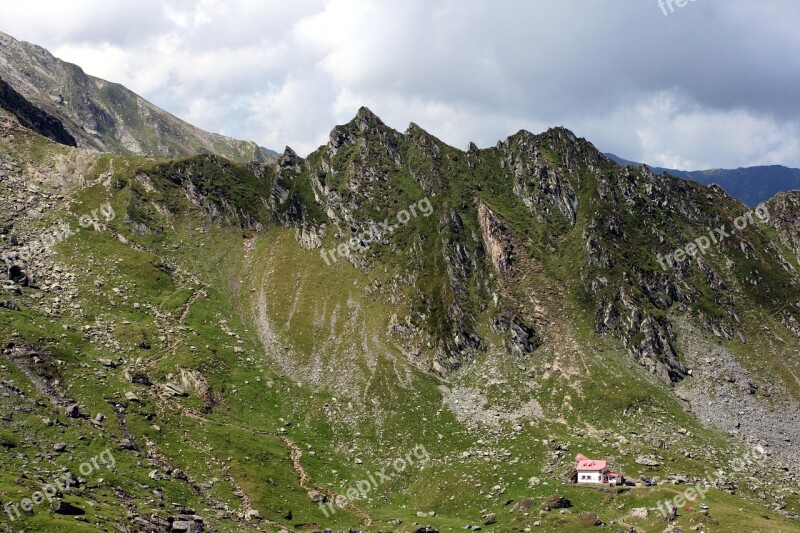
pixel 378 331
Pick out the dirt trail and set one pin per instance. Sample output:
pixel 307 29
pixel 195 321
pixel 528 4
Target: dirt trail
pixel 197 293
pixel 295 454
pixel 163 461
pixel 621 522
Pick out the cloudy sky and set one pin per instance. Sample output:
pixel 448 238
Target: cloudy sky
pixel 715 83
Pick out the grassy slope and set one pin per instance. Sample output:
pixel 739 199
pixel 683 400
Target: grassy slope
pixel 241 431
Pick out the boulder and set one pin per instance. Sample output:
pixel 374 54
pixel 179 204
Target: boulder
pixel 62 507
pixel 647 460
pixel 131 397
pixel 556 502
pixel 187 526
pixel 522 505
pixel 11 305
pixel 175 389
pixel 590 519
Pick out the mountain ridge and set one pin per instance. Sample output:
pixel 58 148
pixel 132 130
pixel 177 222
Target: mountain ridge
pixel 107 116
pixel 243 382
pixel 751 185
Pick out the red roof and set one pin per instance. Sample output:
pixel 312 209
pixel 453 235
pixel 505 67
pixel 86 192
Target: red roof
pixel 590 464
pixel 611 474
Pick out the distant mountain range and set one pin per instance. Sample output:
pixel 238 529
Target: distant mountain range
pixel 751 185
pixel 102 115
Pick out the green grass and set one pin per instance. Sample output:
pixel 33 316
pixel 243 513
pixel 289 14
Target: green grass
pixel 336 381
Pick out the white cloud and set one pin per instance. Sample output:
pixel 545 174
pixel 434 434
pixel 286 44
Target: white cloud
pixel 711 85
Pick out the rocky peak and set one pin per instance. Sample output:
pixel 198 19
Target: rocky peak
pixel 365 124
pixel 289 159
pixel 366 120
pixel 523 136
pixel 563 133
pixel 10 45
pixel 414 129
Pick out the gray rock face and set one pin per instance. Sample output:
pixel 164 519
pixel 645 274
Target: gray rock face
pixel 648 338
pixel 522 339
pixel 542 188
pixel 32 117
pixel 460 346
pixel 783 217
pixel 497 239
pixel 309 237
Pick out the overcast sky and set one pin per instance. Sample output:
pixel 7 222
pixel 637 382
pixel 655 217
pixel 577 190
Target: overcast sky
pixel 715 83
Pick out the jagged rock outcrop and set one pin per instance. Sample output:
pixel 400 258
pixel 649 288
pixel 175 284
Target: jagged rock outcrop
pixel 356 178
pixel 542 187
pixel 497 239
pixel 521 338
pixel 782 211
pixel 461 340
pixel 309 237
pixel 648 339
